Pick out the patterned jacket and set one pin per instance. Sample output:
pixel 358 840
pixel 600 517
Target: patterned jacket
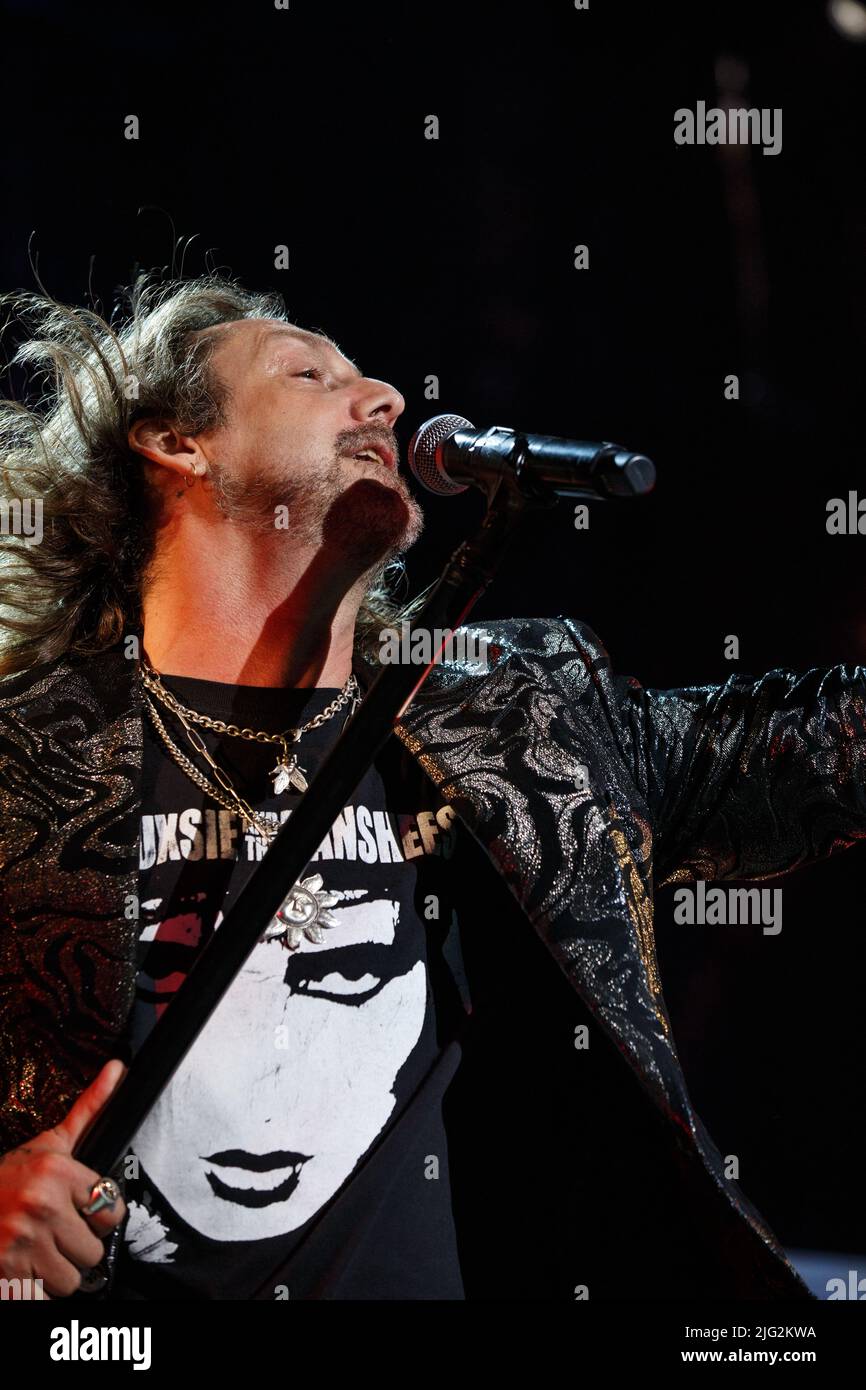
pixel 746 781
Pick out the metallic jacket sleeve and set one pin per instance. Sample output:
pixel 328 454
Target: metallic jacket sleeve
pixel 751 778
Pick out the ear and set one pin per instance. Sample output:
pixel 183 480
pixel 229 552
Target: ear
pixel 160 442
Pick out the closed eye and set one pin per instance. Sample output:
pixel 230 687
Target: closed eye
pixel 340 989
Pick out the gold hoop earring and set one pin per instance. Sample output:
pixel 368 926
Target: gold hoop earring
pixel 190 478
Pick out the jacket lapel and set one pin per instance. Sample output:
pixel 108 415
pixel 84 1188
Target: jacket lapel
pixel 524 760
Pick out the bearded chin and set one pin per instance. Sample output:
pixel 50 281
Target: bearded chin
pixel 364 525
pixel 371 523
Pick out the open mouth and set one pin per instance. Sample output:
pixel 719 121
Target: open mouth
pixel 260 1194
pixel 379 454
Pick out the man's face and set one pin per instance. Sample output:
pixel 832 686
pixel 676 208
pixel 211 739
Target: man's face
pixel 298 414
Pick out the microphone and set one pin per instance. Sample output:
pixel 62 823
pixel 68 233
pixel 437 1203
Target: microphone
pixel 447 454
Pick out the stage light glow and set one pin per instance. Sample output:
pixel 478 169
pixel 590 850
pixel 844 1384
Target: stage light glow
pixel 848 18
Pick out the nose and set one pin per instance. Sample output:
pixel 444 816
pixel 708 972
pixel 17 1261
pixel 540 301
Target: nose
pixel 376 400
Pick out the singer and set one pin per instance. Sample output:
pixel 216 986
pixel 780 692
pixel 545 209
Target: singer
pixel 447 1070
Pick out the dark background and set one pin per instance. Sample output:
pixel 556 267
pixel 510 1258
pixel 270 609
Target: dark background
pixel 455 257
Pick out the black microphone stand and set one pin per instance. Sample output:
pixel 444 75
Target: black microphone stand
pixel 465 578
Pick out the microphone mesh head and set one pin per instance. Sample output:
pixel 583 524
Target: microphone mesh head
pixel 423 447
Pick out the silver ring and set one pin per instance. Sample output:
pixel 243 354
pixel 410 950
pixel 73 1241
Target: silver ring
pixel 105 1194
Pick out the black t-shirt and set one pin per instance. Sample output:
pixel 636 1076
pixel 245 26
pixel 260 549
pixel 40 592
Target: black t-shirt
pixel 303 1132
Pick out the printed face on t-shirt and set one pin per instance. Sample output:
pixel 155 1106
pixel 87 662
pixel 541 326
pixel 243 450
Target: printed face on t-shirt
pixel 312 1040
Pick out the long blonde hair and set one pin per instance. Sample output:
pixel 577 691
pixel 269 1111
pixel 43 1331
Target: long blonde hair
pixel 79 590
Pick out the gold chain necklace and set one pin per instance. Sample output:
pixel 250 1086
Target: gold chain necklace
pixel 285 773
pixel 237 803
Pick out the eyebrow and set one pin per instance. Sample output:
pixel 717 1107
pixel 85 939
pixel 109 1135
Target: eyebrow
pixel 313 340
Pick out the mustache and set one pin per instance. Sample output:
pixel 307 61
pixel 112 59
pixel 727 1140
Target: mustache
pixel 368 437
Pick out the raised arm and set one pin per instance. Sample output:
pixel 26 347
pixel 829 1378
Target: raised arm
pixel 751 778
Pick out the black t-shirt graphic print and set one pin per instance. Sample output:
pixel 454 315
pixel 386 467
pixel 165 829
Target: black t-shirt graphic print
pixel 267 1148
